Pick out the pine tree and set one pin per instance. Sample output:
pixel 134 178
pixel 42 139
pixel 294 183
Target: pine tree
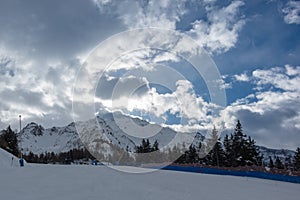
pixel 216 156
pixel 155 146
pixel 297 159
pixel 9 141
pixel 144 149
pixel 251 153
pixel 240 150
pixel 271 163
pixel 288 162
pixel 239 146
pixel 278 163
pixel 227 142
pixel 192 156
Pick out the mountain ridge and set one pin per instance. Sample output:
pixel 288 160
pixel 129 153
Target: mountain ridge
pixel 37 139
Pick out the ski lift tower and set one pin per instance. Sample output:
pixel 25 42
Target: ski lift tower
pixel 20 117
pixel 21 157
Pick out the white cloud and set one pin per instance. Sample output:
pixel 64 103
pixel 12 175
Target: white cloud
pixel 139 14
pixel 223 85
pixel 220 32
pixel 182 103
pixel 242 77
pixel 271 116
pixel 292 12
pixel 292 71
pixel 279 78
pixel 36 95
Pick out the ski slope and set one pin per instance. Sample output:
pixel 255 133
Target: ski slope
pixel 49 182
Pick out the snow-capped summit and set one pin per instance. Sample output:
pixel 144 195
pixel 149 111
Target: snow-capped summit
pixel 35 138
pixel 34 128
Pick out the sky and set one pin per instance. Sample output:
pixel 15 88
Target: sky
pixel 252 50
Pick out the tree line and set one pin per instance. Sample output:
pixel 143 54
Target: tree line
pixel 236 149
pixel 80 155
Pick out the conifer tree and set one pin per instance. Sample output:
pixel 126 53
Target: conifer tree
pixel 228 150
pixel 278 163
pixel 297 159
pixel 271 163
pixel 239 148
pixel 217 155
pixel 9 141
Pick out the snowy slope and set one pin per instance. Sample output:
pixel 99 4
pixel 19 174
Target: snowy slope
pixel 73 182
pixel 6 160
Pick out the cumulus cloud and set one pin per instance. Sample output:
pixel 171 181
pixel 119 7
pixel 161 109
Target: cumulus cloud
pixel 271 114
pixel 242 77
pixel 40 47
pixel 220 32
pixel 222 84
pixel 217 31
pixel 291 12
pixel 279 77
pixel 139 14
pixel 182 103
pixel 36 95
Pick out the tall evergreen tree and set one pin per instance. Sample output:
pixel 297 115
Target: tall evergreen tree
pixel 239 148
pixel 297 159
pixel 288 162
pixel 9 141
pixel 217 155
pixel 271 163
pixel 252 154
pixel 278 163
pixel 227 142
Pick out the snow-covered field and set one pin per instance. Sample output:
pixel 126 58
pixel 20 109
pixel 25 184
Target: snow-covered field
pixel 74 182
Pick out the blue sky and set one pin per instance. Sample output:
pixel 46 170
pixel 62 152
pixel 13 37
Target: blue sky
pixel 254 44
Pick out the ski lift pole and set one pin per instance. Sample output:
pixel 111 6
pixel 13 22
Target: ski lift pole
pixel 20 117
pixel 21 159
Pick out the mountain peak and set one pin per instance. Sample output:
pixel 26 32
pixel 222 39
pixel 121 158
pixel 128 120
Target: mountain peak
pixel 34 129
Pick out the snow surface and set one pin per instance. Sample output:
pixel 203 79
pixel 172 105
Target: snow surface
pixel 7 161
pixel 72 182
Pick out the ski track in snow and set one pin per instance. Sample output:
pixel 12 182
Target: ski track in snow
pixel 72 182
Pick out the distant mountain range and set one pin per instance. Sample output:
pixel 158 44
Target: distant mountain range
pixel 36 139
pixel 280 153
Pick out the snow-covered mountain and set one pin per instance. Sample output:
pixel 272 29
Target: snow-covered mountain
pixel 102 133
pixel 36 139
pixel 282 154
pixel 108 131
